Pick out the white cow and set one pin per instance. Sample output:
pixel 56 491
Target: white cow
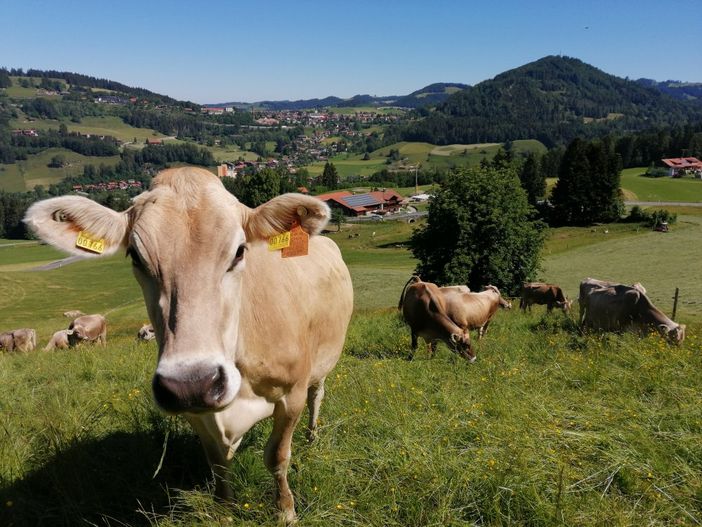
pixel 243 333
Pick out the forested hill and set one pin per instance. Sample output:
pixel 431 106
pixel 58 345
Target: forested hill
pixel 676 89
pixel 427 96
pixel 554 99
pixel 76 80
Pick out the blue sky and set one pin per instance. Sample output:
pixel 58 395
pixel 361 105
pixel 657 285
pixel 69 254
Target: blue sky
pixel 217 51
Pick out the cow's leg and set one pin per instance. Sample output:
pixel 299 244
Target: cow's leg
pixel 315 394
pixel 431 347
pixel 483 330
pixel 217 453
pixel 549 307
pixel 414 346
pixel 103 337
pixel 277 453
pixel 522 304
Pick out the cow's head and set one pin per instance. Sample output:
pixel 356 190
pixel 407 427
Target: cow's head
pixel 504 304
pixel 460 343
pixel 146 333
pixel 187 238
pixel 565 305
pixel 675 335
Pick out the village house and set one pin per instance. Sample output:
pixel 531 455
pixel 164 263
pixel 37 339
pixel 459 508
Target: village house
pixel 679 166
pixel 376 202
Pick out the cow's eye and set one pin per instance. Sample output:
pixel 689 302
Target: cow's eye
pixel 239 256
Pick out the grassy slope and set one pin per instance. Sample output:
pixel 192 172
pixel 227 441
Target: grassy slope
pixel 430 156
pixel 547 428
pixel 106 125
pixel 660 189
pixel 24 175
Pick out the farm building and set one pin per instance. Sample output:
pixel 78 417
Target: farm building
pixel 679 166
pixel 379 202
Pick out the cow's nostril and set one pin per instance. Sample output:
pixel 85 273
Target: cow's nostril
pixel 197 389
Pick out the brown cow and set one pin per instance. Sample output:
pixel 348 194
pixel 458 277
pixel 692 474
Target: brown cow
pixel 59 340
pixel 474 310
pixel 243 333
pixel 88 328
pixel 543 294
pixel 623 307
pixel 24 339
pixel 424 310
pixel 459 288
pixel 590 284
pixel 146 333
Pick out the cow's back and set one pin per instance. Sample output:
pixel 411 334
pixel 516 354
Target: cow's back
pixel 294 313
pixel 470 310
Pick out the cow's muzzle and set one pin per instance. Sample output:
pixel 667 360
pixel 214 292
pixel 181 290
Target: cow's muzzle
pixel 196 389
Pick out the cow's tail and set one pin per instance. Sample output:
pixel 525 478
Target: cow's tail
pixel 413 280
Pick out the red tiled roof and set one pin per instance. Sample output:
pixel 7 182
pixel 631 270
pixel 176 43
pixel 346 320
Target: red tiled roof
pixel 683 162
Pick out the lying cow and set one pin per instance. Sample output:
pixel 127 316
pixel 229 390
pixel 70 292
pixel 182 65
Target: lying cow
pixel 243 332
pixel 474 310
pixel 59 340
pixel 540 293
pixel 590 284
pixel 88 328
pixel 424 310
pixel 622 307
pixel 73 314
pixel 24 339
pixel 146 333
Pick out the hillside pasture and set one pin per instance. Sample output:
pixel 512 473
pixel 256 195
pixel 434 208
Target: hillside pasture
pixel 644 188
pixel 548 427
pixel 35 170
pixel 94 125
pixel 427 155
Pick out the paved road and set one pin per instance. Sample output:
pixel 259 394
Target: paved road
pixel 58 263
pixel 664 203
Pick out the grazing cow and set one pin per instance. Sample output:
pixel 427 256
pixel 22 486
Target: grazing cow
pixel 88 328
pixel 58 341
pixel 459 288
pixel 543 294
pixel 474 310
pixel 244 331
pixel 423 308
pixel 146 333
pixel 590 284
pixel 24 339
pixel 73 314
pixel 622 307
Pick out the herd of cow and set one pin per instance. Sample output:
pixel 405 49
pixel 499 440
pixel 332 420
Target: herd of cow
pixel 83 328
pixel 447 314
pixel 245 331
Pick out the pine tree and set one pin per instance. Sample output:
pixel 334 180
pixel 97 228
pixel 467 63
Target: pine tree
pixel 330 177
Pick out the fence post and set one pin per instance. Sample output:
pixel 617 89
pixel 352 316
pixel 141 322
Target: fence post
pixel 675 302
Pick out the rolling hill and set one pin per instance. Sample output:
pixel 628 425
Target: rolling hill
pixel 553 99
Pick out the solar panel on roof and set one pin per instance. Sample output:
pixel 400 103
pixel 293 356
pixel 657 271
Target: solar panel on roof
pixel 360 200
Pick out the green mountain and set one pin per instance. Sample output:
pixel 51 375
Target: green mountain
pixel 553 100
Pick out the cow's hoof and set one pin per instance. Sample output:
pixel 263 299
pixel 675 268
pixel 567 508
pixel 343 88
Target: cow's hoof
pixel 287 517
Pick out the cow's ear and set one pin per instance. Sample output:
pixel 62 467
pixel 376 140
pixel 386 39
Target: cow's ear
pixel 281 213
pixel 78 225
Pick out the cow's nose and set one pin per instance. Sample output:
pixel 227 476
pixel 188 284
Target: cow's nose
pixel 197 389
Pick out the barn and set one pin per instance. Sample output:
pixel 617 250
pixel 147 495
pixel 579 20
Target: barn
pixel 379 202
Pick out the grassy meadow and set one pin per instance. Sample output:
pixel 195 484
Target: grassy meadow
pixel 638 187
pixel 429 155
pixel 35 170
pixel 548 427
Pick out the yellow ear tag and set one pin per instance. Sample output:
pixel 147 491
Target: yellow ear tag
pixel 299 243
pixel 87 242
pixel 279 241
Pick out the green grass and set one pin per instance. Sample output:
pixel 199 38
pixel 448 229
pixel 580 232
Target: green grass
pixel 97 125
pixel 660 189
pixel 25 175
pixel 231 153
pixel 426 154
pixel 548 427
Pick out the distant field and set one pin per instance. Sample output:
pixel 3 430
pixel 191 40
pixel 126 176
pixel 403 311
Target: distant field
pixel 18 92
pixel 25 175
pixel 660 189
pixel 106 125
pixel 367 109
pixel 426 154
pixel 231 153
pixel 661 261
